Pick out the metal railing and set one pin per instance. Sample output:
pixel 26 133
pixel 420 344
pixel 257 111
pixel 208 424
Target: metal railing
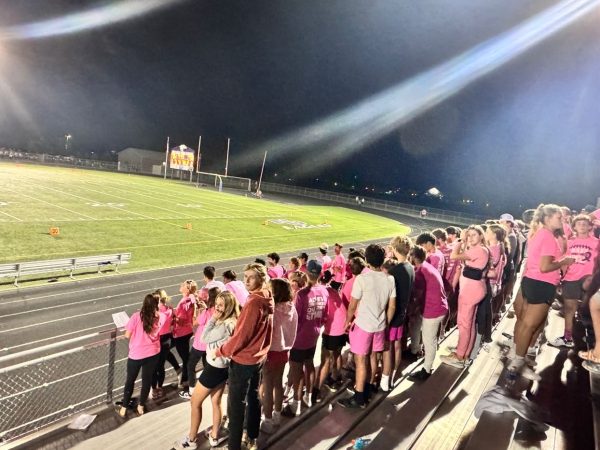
pixel 57 384
pixel 436 214
pixel 56 160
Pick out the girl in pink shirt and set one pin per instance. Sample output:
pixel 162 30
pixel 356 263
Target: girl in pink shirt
pixel 142 330
pixel 583 248
pixel 285 322
pixel 538 286
pixel 334 339
pixel 472 290
pixel 166 314
pixel 235 286
pixel 204 312
pixel 183 326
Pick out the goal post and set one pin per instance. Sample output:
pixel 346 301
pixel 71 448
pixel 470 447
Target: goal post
pixel 228 181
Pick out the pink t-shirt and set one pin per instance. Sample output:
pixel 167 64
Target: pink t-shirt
pixel 450 265
pixel 567 230
pixel 437 260
pixel 311 305
pixel 338 268
pixel 584 250
pixel 166 318
pixel 185 317
pixel 336 315
pixel 543 243
pixel 276 271
pixel 141 344
pixel 347 290
pixel 429 280
pixel 238 289
pixel 202 320
pixel 325 263
pixel 203 294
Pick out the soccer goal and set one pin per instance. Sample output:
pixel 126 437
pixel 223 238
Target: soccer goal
pixel 220 181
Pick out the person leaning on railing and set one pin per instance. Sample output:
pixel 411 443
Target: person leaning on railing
pixel 142 330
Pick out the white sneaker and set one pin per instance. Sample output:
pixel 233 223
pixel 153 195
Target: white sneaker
pixel 532 351
pixel 453 361
pixel 527 372
pixel 185 444
pixel 268 426
pixel 306 400
pixel 561 342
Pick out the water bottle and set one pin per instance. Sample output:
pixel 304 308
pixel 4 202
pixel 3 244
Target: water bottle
pixel 360 443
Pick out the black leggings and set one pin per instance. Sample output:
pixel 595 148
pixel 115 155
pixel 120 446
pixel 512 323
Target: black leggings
pixel 483 317
pixel 182 344
pixel 158 378
pixel 148 366
pixel 195 356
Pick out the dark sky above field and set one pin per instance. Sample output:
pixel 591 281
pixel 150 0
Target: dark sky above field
pixel 251 70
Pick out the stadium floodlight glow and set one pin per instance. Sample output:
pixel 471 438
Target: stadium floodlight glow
pixel 349 130
pixel 96 17
pixel 434 192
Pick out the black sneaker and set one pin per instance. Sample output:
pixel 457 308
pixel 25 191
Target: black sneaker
pixel 421 375
pixel 330 384
pixel 315 396
pixel 351 402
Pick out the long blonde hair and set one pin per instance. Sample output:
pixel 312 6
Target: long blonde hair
pixel 163 297
pixel 539 216
pixel 232 307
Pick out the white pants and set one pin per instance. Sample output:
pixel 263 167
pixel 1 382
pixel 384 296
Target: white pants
pixel 430 330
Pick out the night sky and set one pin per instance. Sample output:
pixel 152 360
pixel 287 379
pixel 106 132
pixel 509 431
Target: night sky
pixel 253 70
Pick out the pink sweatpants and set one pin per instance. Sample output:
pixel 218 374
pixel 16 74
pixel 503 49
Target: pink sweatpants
pixel 471 293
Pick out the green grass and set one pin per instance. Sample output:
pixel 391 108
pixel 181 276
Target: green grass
pixel 99 212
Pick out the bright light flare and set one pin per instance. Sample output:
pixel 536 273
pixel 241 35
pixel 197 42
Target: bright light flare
pixel 349 130
pixel 96 17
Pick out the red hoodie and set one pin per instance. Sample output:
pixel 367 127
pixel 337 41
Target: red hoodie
pixel 251 339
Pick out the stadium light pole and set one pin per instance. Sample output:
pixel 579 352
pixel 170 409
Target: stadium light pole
pixel 198 161
pixel 227 158
pixel 166 158
pixel 261 174
pixel 67 138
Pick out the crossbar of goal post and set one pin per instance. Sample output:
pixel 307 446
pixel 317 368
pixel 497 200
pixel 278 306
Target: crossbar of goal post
pixel 214 179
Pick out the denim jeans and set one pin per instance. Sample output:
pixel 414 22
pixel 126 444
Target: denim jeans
pixel 243 402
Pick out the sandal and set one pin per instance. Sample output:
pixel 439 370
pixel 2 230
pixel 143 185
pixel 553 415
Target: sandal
pixel 589 356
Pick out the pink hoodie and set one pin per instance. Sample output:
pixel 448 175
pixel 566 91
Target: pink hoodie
pixel 285 322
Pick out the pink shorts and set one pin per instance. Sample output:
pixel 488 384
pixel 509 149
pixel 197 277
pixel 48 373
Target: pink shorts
pixel 395 333
pixel 363 343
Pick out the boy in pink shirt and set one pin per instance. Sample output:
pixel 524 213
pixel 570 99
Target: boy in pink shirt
pixel 434 256
pixel 209 282
pixel 274 270
pixel 311 305
pixel 235 286
pixel 583 248
pixel 338 268
pixel 323 259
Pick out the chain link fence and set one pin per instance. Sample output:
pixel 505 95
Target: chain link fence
pixel 439 215
pixel 44 390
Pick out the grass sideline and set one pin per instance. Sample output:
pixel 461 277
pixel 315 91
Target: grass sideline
pixel 103 212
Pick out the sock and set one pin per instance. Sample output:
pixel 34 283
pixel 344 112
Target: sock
pixel 568 335
pixel 531 350
pixel 191 390
pixel 385 383
pixel 516 363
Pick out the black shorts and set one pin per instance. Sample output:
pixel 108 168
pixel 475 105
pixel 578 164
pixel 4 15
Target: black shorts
pixel 299 356
pixel 334 343
pixel 211 376
pixel 573 290
pixel 537 292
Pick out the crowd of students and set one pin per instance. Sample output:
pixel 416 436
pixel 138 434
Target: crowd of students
pixel 386 302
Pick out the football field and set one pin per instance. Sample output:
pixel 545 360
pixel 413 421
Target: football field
pixel 162 223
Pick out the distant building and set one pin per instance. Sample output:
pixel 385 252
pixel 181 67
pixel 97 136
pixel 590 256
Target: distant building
pixel 138 160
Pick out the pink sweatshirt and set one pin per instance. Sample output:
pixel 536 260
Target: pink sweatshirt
pixel 285 322
pixel 185 317
pixel 238 289
pixel 202 320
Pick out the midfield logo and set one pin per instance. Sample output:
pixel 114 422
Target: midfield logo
pixel 296 224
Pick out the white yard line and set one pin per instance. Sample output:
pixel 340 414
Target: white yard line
pixel 136 213
pixel 57 206
pixel 6 214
